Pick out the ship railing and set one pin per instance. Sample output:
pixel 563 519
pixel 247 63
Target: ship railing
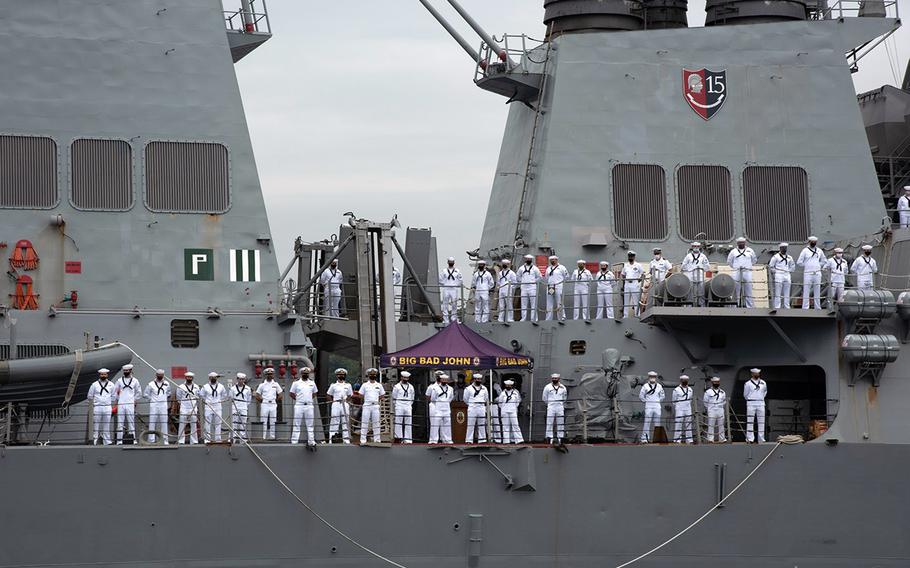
pixel 251 17
pixel 893 175
pixel 515 55
pixel 854 8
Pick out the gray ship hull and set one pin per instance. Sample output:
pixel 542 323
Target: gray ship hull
pixel 808 505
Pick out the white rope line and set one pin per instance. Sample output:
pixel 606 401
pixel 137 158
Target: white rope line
pixel 280 481
pixel 701 518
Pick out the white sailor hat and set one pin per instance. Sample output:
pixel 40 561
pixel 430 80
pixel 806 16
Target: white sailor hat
pixel 241 375
pixel 438 373
pixel 529 257
pixel 867 247
pixel 478 375
pixel 652 373
pixel 159 371
pixel 341 371
pixel 103 371
pixel 907 188
pixel 695 244
pixel 505 261
pixel 656 250
pixel 444 377
pixel 813 238
pixel 450 259
pixel 554 257
pixel 741 240
pixel 715 379
pixel 214 375
pixel 755 370
pixel 404 374
pixel 604 263
pixel 838 249
pixel 631 253
pixel 684 377
pixel 127 367
pixel 269 370
pixel 189 375
pixel 372 371
pixel 508 382
pixel 481 261
pixel 783 245
pixel 555 376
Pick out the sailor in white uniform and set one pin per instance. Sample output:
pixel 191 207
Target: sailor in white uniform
pixel 865 268
pixel 780 267
pixel 187 395
pixel 445 394
pixel 581 288
pixel 555 395
pixel 509 399
pixel 506 280
pixel 372 392
pixel 403 405
pixel 127 391
pixel 340 392
pixel 715 400
pixel 158 392
pixel 268 393
pixel 101 393
pixel 682 411
pixel 477 397
pixel 432 414
pixel 556 275
pixel 838 269
pixel 528 277
pixel 741 259
pixel 694 265
pixel 658 267
pixel 450 284
pixel 241 396
pixel 331 280
pixel 213 396
pixel 604 282
pixel 903 208
pixel 303 392
pixel 482 284
pixel 632 275
pixel 755 392
pixel 813 261
pixel 652 394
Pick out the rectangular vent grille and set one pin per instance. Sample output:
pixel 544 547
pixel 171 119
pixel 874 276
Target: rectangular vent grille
pixel 32 350
pixel 776 201
pixel 639 202
pixel 187 177
pixel 184 333
pixel 28 172
pixel 102 175
pixel 705 203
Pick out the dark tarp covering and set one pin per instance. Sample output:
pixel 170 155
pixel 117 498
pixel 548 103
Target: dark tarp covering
pixel 457 347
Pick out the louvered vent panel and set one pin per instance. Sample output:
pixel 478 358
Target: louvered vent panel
pixel 102 175
pixel 776 200
pixel 28 172
pixel 705 202
pixel 187 177
pixel 184 333
pixel 33 350
pixel 639 201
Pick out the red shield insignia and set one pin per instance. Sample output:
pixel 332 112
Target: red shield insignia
pixel 705 91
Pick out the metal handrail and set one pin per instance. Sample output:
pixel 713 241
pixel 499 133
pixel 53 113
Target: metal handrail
pixel 249 20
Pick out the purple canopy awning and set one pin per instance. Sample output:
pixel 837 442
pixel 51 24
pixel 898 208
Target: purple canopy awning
pixel 457 347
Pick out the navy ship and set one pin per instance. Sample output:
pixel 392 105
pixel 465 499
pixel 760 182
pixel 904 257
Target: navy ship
pixel 134 227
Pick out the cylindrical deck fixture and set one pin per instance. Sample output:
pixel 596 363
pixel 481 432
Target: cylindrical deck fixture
pixel 662 14
pixel 565 16
pixel 729 12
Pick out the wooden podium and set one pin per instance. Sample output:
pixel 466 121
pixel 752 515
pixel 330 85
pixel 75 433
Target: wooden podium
pixel 459 421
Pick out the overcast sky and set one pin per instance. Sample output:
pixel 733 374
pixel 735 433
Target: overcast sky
pixel 369 106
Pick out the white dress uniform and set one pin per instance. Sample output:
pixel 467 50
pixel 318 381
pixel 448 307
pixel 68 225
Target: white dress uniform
pixel 213 397
pixel 813 260
pixel 556 276
pixel 128 391
pixel 555 398
pixel 268 409
pixel 780 266
pixel 652 394
pixel 632 273
pixel 158 392
pixel 715 399
pixel 658 269
pixel 695 265
pixel 101 393
pixel 304 391
pixel 741 261
pixel 476 396
pixel 838 269
pixel 241 396
pixel 341 410
pixel 483 283
pixel 331 280
pixel 441 396
pixel 528 277
pixel 372 392
pixel 450 283
pixel 188 397
pixel 903 211
pixel 582 292
pixel 506 281
pixel 403 404
pixel 495 415
pixel 754 392
pixel 604 281
pixel 682 411
pixel 509 399
pixel 864 267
